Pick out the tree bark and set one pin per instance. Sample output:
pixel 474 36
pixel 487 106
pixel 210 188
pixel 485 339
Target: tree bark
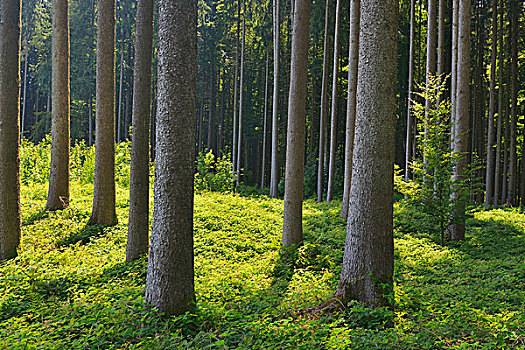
pixel 58 194
pixel 454 71
pixel 498 170
pixel 138 225
pixel 265 119
pixel 513 157
pixel 410 121
pixel 461 136
pixel 353 54
pixel 104 211
pixel 323 118
pixel 368 261
pixel 24 97
pixel 431 50
pixel 210 143
pixel 294 178
pixel 170 277
pixel 489 181
pixel 120 94
pixel 235 94
pixel 333 118
pixel 274 173
pixel 241 94
pixel 10 28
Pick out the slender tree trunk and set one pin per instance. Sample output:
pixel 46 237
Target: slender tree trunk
pixel 263 162
pixel 211 113
pixel 90 118
pixel 368 261
pixel 513 157
pixel 274 173
pixel 431 50
pixel 170 277
pixel 58 194
pixel 24 98
pixel 353 54
pixel 410 122
pixel 121 87
pixel 441 41
pixel 104 211
pixel 454 70
pixel 506 145
pixel 462 113
pixel 235 94
pixel 10 28
pixel 138 225
pixel 498 171
pixel 333 119
pixel 241 94
pixel 294 178
pixel 323 118
pixel 489 181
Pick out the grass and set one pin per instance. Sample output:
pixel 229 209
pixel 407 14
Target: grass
pixel 70 289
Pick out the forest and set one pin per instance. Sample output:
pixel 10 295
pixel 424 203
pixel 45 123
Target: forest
pixel 272 174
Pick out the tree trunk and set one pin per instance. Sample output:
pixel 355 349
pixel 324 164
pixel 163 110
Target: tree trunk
pixel 333 119
pixel 9 131
pixel 489 181
pixel 120 94
pixel 513 157
pixel 454 70
pixel 235 93
pixel 461 136
pixel 323 118
pixel 274 173
pixel 410 122
pixel 170 276
pixel 353 54
pixel 431 51
pixel 58 194
pixel 138 225
pixel 90 120
pixel 441 41
pixel 368 261
pixel 241 94
pixel 265 119
pixel 210 145
pixel 294 178
pixel 24 97
pixel 498 170
pixel 104 211
pixel 506 145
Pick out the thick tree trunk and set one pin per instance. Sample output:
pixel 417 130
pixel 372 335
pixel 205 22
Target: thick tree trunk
pixel 294 178
pixel 265 119
pixel 353 54
pixel 9 128
pixel 170 276
pixel 461 136
pixel 104 211
pixel 323 118
pixel 138 225
pixel 274 172
pixel 489 181
pixel 241 94
pixel 368 261
pixel 410 121
pixel 333 117
pixel 58 194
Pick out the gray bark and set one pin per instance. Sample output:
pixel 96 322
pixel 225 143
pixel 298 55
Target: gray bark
pixel 323 118
pixel 333 118
pixel 210 141
pixel 104 212
pixel 274 180
pixel 431 49
pixel 294 178
pixel 353 54
pixel 368 261
pixel 24 96
pixel 498 170
pixel 120 99
pixel 410 121
pixel 241 94
pixel 235 93
pixel 461 129
pixel 513 157
pixel 489 180
pixel 170 277
pixel 138 225
pixel 58 194
pixel 9 128
pixel 265 119
pixel 453 74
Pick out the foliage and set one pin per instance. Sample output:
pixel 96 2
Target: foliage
pixel 214 174
pixel 436 192
pixel 69 287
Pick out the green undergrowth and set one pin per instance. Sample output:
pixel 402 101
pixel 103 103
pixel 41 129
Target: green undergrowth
pixel 70 289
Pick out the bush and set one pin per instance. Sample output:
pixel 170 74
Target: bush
pixel 213 174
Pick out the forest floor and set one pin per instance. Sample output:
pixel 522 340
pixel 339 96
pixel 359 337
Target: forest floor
pixel 70 289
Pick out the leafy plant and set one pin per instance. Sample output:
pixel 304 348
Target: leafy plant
pixel 213 174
